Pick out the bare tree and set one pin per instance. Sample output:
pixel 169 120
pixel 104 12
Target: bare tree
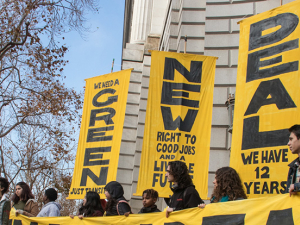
pixel 38 114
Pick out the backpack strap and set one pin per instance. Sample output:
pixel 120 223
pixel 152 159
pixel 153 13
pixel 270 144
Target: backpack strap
pixel 123 201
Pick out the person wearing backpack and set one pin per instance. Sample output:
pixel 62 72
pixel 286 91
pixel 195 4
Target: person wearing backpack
pixel 116 203
pixel 184 193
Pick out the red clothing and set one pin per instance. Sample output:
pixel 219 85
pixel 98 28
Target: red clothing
pixel 97 213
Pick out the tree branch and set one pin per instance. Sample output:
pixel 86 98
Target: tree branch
pixel 12 44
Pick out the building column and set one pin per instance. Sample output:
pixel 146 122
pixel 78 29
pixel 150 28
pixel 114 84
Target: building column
pixel 141 21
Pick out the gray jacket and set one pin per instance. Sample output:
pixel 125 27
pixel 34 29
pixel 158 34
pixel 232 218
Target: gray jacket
pixel 51 209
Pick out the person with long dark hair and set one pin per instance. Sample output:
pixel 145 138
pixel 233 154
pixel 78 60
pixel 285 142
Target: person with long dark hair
pixel 4 202
pixel 23 201
pixel 116 203
pixel 184 193
pixel 91 206
pixel 227 186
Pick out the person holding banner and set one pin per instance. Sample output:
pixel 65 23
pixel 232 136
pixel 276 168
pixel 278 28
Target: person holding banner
pixel 150 196
pixel 91 206
pixel 184 193
pixel 116 204
pixel 23 201
pixel 227 186
pixel 50 208
pixel 293 179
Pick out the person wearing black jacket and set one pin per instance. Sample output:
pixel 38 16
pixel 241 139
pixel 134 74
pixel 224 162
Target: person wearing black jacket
pixel 184 193
pixel 293 179
pixel 116 204
pixel 150 196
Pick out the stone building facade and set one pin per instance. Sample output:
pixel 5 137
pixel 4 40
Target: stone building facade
pixel 211 29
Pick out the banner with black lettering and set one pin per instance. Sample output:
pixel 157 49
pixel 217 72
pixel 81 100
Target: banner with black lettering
pixel 178 119
pixel 277 210
pixel 100 133
pixel 267 99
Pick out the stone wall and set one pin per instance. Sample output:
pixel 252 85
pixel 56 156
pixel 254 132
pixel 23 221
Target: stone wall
pixel 211 29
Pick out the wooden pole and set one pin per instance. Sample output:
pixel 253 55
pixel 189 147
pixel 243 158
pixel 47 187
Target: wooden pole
pixel 112 66
pixel 185 41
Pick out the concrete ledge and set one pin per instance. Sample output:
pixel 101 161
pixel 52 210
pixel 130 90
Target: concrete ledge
pixel 133 55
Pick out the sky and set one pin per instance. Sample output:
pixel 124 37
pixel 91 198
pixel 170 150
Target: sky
pixel 92 55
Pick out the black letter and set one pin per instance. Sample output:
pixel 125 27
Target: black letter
pixel 106 118
pixel 168 93
pixel 278 93
pixel 248 159
pixel 254 61
pixel 174 223
pixel 193 76
pixel 287 21
pixel 225 219
pixel 101 180
pixel 248 186
pixel 283 185
pixel 93 136
pixel 109 101
pixel 279 217
pixel 252 138
pixel 155 179
pixel 16 222
pixel 88 156
pixel 171 124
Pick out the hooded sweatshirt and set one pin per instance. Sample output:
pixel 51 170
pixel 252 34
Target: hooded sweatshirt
pixel 116 192
pixel 51 209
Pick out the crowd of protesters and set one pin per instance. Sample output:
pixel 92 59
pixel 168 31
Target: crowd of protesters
pixel 227 187
pixel 184 196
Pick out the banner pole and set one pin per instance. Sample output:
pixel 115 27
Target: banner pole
pixel 112 66
pixel 185 41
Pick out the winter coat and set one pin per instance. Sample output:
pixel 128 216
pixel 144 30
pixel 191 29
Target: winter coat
pixel 149 209
pixel 184 198
pixel 116 192
pixel 292 176
pixel 4 210
pixel 51 209
pixel 31 208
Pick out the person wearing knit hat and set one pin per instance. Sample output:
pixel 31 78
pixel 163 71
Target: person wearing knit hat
pixel 50 208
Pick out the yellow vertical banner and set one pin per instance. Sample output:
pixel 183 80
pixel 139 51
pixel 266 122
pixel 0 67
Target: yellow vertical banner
pixel 178 119
pixel 100 133
pixel 267 99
